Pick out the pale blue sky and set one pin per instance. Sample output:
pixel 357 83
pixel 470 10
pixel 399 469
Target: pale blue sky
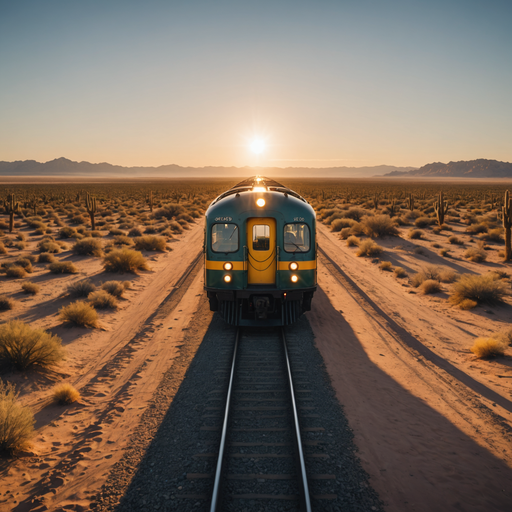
pixel 325 83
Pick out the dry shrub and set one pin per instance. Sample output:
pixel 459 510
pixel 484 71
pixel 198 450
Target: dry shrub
pixel 504 336
pixel 488 347
pixel 467 304
pixel 88 246
pixel 386 265
pixel 475 229
pixel 31 288
pixel 400 272
pixel 446 275
pixel 101 299
pixel 122 240
pixel 115 288
pixel 68 232
pixel 355 213
pixel 379 225
pixel 63 267
pixel 16 421
pixel 48 246
pixel 423 222
pixel 339 224
pixel 79 313
pixel 482 289
pixel 353 241
pixel 135 232
pixel 445 253
pixel 25 263
pixel 6 303
pixel 15 271
pixel 25 347
pixel 415 234
pixel 493 235
pixel 124 260
pixel 430 286
pixel 81 288
pixel 476 255
pixel 454 240
pixel 169 211
pixel 150 243
pixel 65 394
pixel 369 248
pixel 175 227
pixel 46 257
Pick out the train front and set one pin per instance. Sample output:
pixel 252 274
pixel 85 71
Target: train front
pixel 260 254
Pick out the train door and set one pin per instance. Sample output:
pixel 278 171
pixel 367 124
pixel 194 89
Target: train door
pixel 261 251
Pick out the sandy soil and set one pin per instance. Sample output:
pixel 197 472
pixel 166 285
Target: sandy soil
pixel 115 368
pixel 432 423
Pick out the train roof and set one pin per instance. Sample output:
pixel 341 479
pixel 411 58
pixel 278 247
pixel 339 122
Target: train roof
pixel 250 184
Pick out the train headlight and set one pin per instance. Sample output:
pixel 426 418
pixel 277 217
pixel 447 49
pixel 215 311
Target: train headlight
pixel 293 265
pixel 294 278
pixel 228 266
pixel 227 278
pixel 260 202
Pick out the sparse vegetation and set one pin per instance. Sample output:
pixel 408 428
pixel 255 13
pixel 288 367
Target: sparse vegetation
pixel 30 288
pixel 150 243
pixel 369 248
pixel 475 254
pixel 63 267
pixel 353 241
pixel 115 288
pixel 488 347
pixel 430 286
pixel 6 303
pixel 124 260
pixel 379 226
pixel 101 299
pixel 400 272
pixel 81 288
pixel 65 394
pixel 88 246
pixel 79 313
pixel 484 289
pixel 386 265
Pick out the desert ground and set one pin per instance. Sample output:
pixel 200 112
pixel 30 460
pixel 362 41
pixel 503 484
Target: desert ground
pixel 432 421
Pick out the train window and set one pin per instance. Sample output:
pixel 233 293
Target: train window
pixel 261 237
pixel 296 237
pixel 225 237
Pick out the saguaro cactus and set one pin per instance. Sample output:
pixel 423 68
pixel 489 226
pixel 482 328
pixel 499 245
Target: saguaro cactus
pixel 410 202
pixel 32 203
pixel 11 207
pixel 149 199
pixel 507 224
pixel 392 208
pixel 441 208
pixel 375 201
pixel 90 204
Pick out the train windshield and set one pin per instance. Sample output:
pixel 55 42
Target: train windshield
pixel 261 237
pixel 296 237
pixel 225 237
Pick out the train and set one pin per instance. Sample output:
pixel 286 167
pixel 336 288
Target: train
pixel 260 254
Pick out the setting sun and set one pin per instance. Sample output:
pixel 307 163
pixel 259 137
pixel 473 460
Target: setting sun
pixel 258 146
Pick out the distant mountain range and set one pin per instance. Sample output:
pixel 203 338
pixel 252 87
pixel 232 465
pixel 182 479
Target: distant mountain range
pixel 480 168
pixel 64 167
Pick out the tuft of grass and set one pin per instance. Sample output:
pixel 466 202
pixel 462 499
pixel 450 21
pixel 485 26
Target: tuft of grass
pixel 26 347
pixel 476 255
pixel 135 232
pixel 378 226
pixel 15 271
pixel 481 289
pixel 16 421
pixel 150 243
pixel 430 286
pixel 63 267
pixel 454 240
pixel 31 288
pixel 65 394
pixel 353 241
pixel 101 299
pixel 122 240
pixel 48 246
pixel 445 253
pixel 6 303
pixel 369 248
pixel 467 304
pixel 81 288
pixel 115 288
pixel 415 234
pixel 400 272
pixel 446 275
pixel 423 222
pixel 46 257
pixel 88 247
pixel 124 260
pixel 79 313
pixel 488 347
pixel 386 265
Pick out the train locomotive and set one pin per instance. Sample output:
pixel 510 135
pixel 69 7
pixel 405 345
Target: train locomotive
pixel 260 254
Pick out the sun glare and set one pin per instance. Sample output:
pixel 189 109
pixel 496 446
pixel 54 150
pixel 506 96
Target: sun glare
pixel 257 146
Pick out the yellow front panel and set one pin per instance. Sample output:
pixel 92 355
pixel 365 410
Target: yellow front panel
pixel 303 265
pixel 261 251
pixel 219 265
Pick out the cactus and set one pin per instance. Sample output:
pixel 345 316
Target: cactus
pixel 90 204
pixel 149 199
pixel 410 202
pixel 32 203
pixel 441 208
pixel 11 207
pixel 375 201
pixel 393 208
pixel 507 224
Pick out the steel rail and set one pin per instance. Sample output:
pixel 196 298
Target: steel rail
pixel 300 453
pixel 218 471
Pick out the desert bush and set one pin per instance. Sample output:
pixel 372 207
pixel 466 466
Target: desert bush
pixel 475 254
pixel 169 211
pixel 418 250
pixel 480 288
pixel 88 246
pixel 369 248
pixel 68 232
pixel 79 313
pixel 435 245
pixel 423 222
pixel 26 347
pixel 488 347
pixel 81 288
pixel 386 265
pixel 356 213
pixel 467 304
pixel 493 235
pixel 101 299
pixel 20 245
pixel 345 233
pixel 122 240
pixel 339 224
pixel 379 225
pixel 430 286
pixel 353 241
pixel 62 267
pixel 46 257
pixel 15 271
pixel 504 336
pixel 446 275
pixel 150 243
pixel 48 246
pixel 400 272
pixel 175 227
pixel 124 260
pixel 31 288
pixel 25 263
pixel 445 253
pixel 16 421
pixel 475 229
pixel 115 288
pixel 116 232
pixel 6 303
pixel 454 240
pixel 65 394
pixel 417 279
pixel 415 234
pixel 135 232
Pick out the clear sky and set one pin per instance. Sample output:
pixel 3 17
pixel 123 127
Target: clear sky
pixel 323 83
